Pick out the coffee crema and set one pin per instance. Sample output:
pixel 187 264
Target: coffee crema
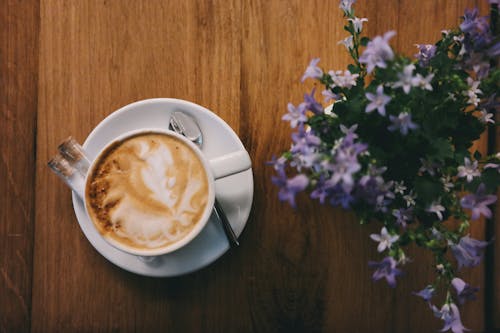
pixel 147 191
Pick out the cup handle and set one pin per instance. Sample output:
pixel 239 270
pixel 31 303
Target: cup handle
pixel 230 164
pixel 222 166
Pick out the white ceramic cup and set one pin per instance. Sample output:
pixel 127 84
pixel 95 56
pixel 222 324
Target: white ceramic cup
pixel 216 168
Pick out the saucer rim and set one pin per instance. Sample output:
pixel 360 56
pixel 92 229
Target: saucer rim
pixel 193 107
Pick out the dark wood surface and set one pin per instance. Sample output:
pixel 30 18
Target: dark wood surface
pixel 65 65
pixel 19 27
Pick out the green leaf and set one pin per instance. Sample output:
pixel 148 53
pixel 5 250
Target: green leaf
pixel 353 69
pixel 428 189
pixel 432 244
pixel 404 239
pixel 441 150
pixel 477 155
pixel 490 178
pixel 364 41
pixel 349 28
pixel 287 155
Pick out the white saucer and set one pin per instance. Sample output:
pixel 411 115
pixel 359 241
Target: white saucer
pixel 235 193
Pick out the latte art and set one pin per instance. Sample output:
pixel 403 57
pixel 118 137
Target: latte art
pixel 147 191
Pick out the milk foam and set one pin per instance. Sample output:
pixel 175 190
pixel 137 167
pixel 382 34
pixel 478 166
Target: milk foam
pixel 155 191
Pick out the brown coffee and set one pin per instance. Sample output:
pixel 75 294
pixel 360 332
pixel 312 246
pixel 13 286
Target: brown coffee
pixel 147 191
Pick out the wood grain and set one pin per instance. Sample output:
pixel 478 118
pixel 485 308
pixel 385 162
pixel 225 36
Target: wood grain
pixel 319 243
pixel 97 56
pixel 18 101
pixel 299 270
pixel 417 29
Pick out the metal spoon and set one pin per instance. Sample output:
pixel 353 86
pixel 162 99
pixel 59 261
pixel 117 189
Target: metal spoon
pixel 185 125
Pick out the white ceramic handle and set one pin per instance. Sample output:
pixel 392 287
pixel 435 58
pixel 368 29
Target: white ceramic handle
pixel 230 164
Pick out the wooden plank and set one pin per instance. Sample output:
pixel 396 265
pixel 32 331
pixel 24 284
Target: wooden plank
pixel 493 256
pixel 317 256
pixel 493 263
pixel 493 232
pixel 493 259
pixel 421 28
pixel 18 100
pixel 301 270
pixel 96 56
pixel 482 276
pixel 320 251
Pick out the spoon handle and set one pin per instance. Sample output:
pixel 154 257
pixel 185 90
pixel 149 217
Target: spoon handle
pixel 228 230
pixel 188 127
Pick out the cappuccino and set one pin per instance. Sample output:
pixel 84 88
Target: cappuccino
pixel 147 191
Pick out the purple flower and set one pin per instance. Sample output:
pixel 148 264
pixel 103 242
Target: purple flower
pixel 406 78
pixel 494 51
pixel 377 52
pixel 477 33
pixel 312 104
pixel 468 170
pixel 304 141
pixel 469 24
pixel 447 183
pixel 378 101
pixel 278 163
pixel 347 42
pixel 305 148
pixel 343 79
pixel 429 166
pixel 350 149
pixel 451 316
pixel 357 23
pixel 385 269
pixel 295 115
pixel 403 215
pixel 478 202
pixel 373 190
pixel 481 68
pixel 427 293
pixel 321 191
pixel 485 117
pixel 345 160
pixel 339 197
pixel 289 187
pixel 350 133
pixel 473 91
pixel 468 251
pixel 492 166
pixel 423 82
pixel 403 123
pixel 343 170
pixel 492 103
pixel 382 202
pixel 464 290
pixel 373 173
pixel 437 209
pixel 399 187
pixel 425 53
pixel 312 71
pixel 329 95
pixel 345 5
pixel 385 240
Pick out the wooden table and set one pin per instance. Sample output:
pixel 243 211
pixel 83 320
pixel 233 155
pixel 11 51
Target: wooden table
pixel 65 65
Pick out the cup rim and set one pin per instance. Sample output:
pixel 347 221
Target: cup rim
pixel 199 225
